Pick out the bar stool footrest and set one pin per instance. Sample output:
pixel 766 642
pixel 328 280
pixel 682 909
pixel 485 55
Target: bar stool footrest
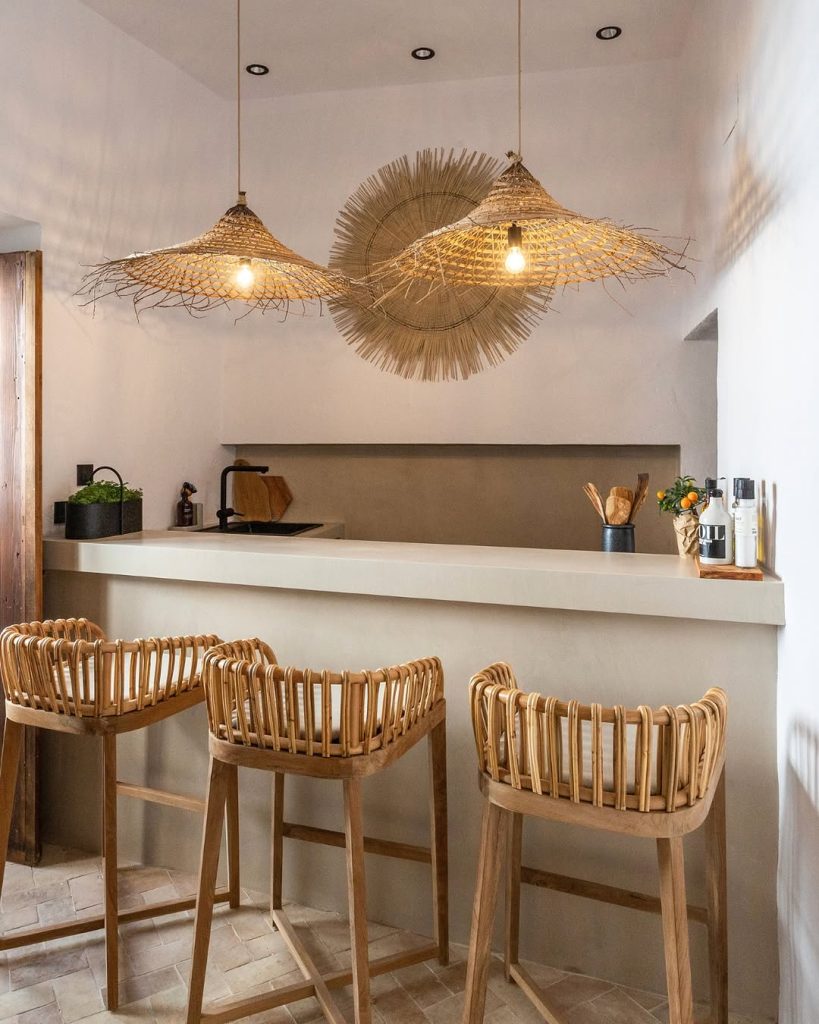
pixel 381 847
pixel 603 893
pixel 304 990
pixel 97 922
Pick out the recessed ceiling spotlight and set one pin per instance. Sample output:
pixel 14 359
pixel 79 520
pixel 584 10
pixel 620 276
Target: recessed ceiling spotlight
pixel 609 32
pixel 423 53
pixel 257 69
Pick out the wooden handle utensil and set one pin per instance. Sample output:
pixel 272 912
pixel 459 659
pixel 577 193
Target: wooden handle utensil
pixel 593 495
pixel 640 497
pixel 618 506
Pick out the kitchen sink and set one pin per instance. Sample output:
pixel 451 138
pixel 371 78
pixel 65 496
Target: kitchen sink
pixel 273 529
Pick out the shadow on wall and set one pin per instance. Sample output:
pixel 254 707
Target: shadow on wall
pixel 751 202
pixel 799 872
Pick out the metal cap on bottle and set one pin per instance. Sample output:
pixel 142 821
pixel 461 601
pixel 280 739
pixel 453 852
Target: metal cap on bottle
pixel 744 488
pixel 711 489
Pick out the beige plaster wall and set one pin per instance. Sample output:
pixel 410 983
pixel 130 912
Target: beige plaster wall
pixel 505 495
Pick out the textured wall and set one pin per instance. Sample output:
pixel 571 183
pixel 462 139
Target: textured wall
pixel 516 496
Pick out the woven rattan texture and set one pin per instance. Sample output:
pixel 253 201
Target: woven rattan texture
pixel 202 273
pixel 630 759
pixel 66 666
pixel 256 702
pixel 561 247
pixel 405 327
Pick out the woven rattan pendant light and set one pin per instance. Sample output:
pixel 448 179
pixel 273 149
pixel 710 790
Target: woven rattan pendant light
pixel 453 334
pixel 520 237
pixel 238 259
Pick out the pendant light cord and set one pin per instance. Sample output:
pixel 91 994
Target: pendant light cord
pixel 520 86
pixel 239 96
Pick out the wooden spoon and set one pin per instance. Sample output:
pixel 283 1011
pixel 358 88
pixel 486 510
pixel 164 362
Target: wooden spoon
pixel 642 491
pixel 618 506
pixel 593 495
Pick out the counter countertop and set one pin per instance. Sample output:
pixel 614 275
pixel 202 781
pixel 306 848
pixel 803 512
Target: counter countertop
pixel 663 585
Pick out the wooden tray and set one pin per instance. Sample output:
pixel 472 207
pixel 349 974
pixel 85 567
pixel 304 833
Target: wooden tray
pixel 727 572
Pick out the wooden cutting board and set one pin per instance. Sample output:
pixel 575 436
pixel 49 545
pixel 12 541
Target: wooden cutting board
pixel 250 495
pixel 727 572
pixel 278 494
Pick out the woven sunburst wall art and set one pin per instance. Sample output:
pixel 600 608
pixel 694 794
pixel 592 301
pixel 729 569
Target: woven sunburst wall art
pixel 407 328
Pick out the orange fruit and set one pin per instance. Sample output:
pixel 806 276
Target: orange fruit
pixel 693 497
pixel 660 495
pixel 686 503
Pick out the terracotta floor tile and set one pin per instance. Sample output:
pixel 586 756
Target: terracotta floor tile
pixel 453 976
pixel 619 1008
pixel 22 917
pixel 44 965
pixel 86 891
pixel 138 880
pixel 573 989
pixel 78 995
pixel 422 985
pixel 398 1007
pixel 49 1014
pixel 450 1011
pixel 133 989
pixel 24 999
pixel 13 898
pixel 648 1000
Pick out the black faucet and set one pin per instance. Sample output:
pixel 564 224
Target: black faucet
pixel 224 512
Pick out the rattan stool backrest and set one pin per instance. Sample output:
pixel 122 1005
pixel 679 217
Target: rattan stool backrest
pixel 256 702
pixel 66 666
pixel 638 759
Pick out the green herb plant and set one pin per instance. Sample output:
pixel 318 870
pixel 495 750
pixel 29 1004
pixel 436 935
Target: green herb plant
pixel 104 492
pixel 684 495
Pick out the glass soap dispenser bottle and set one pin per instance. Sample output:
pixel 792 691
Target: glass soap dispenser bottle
pixel 716 535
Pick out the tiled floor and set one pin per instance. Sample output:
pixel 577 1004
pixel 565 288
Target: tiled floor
pixel 61 983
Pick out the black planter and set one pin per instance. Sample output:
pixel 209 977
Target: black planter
pixel 86 522
pixel 617 538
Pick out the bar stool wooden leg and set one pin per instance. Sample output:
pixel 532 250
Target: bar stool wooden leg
pixel 513 865
pixel 675 929
pixel 357 898
pixel 717 893
pixel 9 768
pixel 438 840
pixel 277 842
pixel 109 868
pixel 232 817
pixel 493 839
pixel 209 863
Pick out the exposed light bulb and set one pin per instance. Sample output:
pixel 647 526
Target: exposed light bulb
pixel 245 276
pixel 515 260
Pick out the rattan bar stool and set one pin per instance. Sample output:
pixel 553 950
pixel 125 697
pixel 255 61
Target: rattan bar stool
pixel 64 675
pixel 341 726
pixel 642 772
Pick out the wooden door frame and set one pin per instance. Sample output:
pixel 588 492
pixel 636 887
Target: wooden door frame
pixel 24 842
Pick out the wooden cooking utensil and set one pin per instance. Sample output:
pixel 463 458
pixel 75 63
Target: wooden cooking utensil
pixel 279 494
pixel 640 497
pixel 593 495
pixel 618 506
pixel 250 495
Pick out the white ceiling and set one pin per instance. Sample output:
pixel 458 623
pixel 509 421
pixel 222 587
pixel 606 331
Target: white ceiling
pixel 316 45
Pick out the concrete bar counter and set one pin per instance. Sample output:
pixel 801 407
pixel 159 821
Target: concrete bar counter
pixel 627 629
